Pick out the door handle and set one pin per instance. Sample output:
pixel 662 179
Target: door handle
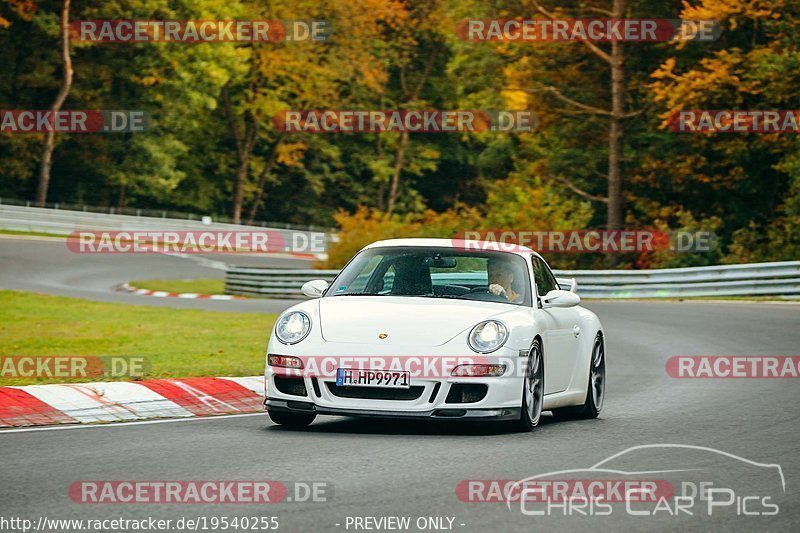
pixel 576 330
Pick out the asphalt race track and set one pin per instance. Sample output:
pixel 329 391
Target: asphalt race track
pixel 380 469
pixel 47 266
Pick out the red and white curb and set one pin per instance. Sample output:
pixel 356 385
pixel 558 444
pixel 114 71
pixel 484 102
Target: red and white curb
pixel 189 295
pixel 86 403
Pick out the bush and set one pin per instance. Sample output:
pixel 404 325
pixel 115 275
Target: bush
pixel 366 226
pixel 683 222
pixel 779 241
pixel 512 204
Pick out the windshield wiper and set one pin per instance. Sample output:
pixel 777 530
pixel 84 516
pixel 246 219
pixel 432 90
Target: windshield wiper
pixel 359 294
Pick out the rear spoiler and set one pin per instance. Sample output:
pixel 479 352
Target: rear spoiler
pixel 568 284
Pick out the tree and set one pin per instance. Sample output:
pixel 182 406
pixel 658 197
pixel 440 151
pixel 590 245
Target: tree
pixel 615 59
pixel 244 138
pixel 750 181
pixel 63 91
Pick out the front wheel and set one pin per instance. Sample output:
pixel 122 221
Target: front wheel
pixel 297 420
pixel 533 389
pixel 596 388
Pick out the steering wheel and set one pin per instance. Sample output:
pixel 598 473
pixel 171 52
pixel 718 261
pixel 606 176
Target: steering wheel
pixel 485 290
pixel 478 289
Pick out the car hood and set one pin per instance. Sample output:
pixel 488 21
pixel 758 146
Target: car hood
pixel 407 321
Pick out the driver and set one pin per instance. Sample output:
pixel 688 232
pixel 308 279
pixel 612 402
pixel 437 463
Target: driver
pixel 501 276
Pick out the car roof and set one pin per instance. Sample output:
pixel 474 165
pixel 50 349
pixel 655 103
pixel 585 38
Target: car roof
pixel 468 244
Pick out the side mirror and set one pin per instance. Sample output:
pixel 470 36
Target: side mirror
pixel 559 298
pixel 571 282
pixel 314 288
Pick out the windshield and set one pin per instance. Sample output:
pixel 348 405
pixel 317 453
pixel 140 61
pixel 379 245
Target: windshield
pixel 434 272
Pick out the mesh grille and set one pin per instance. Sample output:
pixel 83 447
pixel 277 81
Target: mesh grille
pixel 293 386
pixel 466 393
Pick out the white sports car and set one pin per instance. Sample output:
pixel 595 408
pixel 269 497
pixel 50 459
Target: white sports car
pixel 437 329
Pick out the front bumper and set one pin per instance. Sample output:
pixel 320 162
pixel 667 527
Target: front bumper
pixel 433 392
pixel 451 412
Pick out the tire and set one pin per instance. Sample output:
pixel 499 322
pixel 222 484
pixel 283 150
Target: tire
pixel 595 389
pixel 532 389
pixel 296 420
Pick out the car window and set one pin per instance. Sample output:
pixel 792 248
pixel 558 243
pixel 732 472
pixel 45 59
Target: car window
pixel 388 281
pixel 435 272
pixel 365 273
pixel 545 280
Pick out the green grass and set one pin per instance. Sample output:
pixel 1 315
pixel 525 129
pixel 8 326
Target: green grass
pixel 176 342
pixel 31 233
pixel 695 298
pixel 199 286
pixel 736 298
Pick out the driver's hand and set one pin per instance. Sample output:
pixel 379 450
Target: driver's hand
pixel 497 290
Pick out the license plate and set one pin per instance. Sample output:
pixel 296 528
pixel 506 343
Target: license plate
pixel 360 377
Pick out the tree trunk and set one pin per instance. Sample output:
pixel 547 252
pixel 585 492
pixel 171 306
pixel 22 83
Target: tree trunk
pixel 399 162
pixel 616 208
pixel 238 192
pixel 398 168
pixel 262 179
pixel 382 186
pixel 121 197
pixel 66 84
pixel 245 141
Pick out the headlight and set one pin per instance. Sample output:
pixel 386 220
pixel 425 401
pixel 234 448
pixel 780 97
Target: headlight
pixel 478 371
pixel 488 336
pixel 293 327
pixel 284 361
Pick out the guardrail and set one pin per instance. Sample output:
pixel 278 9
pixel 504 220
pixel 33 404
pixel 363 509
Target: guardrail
pixel 153 213
pixel 64 222
pixel 272 282
pixel 757 279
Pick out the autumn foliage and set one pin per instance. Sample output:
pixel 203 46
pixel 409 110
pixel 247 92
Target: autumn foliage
pixel 214 149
